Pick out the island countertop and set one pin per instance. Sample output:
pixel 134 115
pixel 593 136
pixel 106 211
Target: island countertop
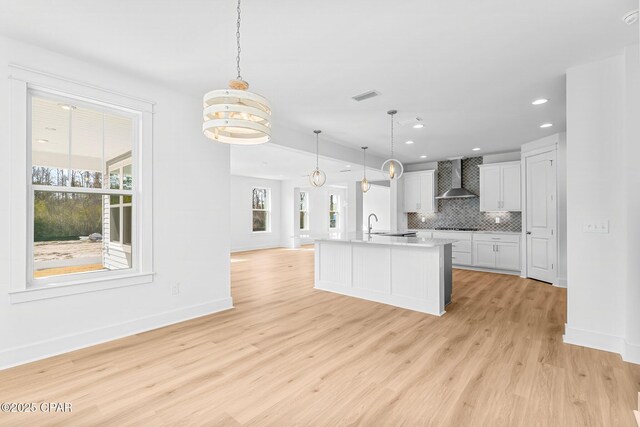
pixel 377 239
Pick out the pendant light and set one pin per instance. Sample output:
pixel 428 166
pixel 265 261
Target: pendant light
pixel 317 177
pixel 234 115
pixel 364 184
pixel 392 167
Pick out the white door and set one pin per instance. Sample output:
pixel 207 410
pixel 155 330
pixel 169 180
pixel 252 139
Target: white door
pixel 490 189
pixel 484 254
pixel 511 188
pixel 508 256
pixel 541 216
pixel 411 193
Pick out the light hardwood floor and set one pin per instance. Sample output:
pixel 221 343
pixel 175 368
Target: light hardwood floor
pixel 291 355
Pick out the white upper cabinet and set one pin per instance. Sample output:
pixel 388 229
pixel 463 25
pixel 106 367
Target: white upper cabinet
pixel 420 191
pixel 500 187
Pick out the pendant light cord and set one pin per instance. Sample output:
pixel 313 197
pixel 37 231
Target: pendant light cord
pixel 364 162
pixel 391 135
pixel 317 152
pixel 238 42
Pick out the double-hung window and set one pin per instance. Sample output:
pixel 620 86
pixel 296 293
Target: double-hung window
pixel 261 210
pixel 304 210
pixel 334 211
pixel 86 221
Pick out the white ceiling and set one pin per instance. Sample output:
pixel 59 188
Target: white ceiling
pixel 271 161
pixel 470 69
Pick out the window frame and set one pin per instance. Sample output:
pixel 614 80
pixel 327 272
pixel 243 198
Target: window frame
pixel 267 210
pixel 306 211
pixel 23 288
pixel 337 211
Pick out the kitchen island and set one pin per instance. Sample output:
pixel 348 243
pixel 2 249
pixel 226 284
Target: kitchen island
pixel 407 272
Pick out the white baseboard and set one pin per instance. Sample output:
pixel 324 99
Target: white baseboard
pixel 255 248
pixel 561 282
pixel 64 344
pixel 629 352
pixel 485 270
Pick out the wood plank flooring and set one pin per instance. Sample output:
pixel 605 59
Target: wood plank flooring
pixel 291 355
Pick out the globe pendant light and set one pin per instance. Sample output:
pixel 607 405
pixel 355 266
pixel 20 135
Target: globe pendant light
pixel 364 184
pixel 392 167
pixel 234 115
pixel 317 177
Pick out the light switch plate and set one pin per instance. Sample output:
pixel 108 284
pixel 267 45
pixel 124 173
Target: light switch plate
pixel 601 226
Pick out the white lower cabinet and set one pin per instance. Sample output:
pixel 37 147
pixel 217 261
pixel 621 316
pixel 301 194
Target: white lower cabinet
pixel 500 251
pixel 460 250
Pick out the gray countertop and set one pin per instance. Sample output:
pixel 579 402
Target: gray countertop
pixel 381 240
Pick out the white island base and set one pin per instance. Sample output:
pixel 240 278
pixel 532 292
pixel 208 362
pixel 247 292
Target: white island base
pixel 410 273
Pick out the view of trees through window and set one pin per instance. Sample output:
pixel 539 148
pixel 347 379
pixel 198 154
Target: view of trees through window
pixel 334 211
pixel 260 208
pixel 304 210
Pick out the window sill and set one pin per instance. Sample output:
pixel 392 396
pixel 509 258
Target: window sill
pixel 100 284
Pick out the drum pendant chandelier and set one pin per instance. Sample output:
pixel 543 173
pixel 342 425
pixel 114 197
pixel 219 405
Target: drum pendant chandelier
pixel 234 115
pixel 392 167
pixel 364 184
pixel 317 177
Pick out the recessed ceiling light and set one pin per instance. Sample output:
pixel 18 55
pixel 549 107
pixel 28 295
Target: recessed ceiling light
pixel 409 142
pixel 540 101
pixel 423 156
pixel 348 166
pixel 546 125
pixel 418 126
pixel 475 149
pixel 42 141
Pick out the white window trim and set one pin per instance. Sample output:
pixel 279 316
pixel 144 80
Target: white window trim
pixel 268 210
pixel 23 81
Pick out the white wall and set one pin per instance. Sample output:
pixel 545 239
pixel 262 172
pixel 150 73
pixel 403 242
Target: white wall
pixel 377 200
pixel 191 227
pixel 242 236
pixel 602 182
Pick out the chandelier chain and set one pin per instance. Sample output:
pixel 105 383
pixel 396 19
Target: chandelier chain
pixel 238 42
pixel 317 152
pixel 391 136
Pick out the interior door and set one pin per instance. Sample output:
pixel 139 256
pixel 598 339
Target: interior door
pixel 541 216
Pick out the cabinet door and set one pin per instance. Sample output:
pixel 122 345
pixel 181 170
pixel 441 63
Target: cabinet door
pixel 411 193
pixel 427 196
pixel 484 254
pixel 511 188
pixel 490 189
pixel 508 256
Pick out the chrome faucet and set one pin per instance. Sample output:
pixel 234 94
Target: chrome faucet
pixel 369 222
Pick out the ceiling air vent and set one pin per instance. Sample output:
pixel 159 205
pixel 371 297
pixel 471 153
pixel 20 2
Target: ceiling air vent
pixel 366 95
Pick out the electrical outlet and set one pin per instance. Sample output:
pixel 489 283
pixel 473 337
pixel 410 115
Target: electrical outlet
pixel 601 226
pixel 423 219
pixel 175 289
pixel 497 220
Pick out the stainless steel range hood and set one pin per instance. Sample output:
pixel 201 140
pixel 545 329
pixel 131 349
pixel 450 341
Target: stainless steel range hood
pixel 456 192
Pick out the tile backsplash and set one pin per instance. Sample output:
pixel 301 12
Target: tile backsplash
pixel 464 213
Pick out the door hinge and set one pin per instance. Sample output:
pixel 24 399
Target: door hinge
pixel 551 162
pixel 552 266
pixel 552 231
